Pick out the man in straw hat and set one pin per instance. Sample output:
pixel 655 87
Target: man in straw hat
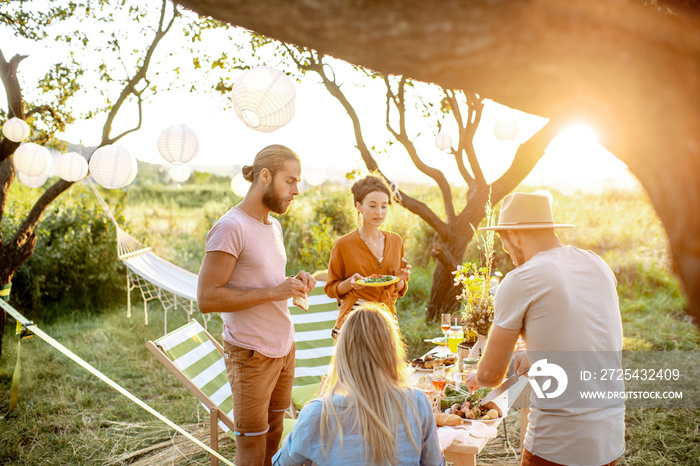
pixel 559 299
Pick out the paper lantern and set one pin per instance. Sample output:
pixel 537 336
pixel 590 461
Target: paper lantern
pixel 15 129
pixel 506 129
pixel 263 99
pixel 178 144
pixel 443 141
pixel 315 177
pixel 239 185
pixel 179 173
pixel 32 159
pixel 33 181
pixel 71 167
pixel 113 167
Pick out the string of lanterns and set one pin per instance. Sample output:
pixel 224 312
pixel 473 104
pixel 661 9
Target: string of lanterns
pixel 263 98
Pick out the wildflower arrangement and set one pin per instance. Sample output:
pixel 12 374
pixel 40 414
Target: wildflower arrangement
pixel 476 298
pixel 475 281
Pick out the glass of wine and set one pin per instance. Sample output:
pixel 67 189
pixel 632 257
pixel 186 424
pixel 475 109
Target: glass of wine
pixel 439 380
pixel 445 325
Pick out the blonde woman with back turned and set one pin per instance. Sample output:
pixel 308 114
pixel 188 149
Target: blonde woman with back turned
pixel 367 413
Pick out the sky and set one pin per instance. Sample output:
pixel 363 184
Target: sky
pixel 322 133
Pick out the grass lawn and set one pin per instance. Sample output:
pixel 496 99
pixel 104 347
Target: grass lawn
pixel 68 416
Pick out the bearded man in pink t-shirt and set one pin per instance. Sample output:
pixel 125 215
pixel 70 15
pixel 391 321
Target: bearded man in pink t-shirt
pixel 243 278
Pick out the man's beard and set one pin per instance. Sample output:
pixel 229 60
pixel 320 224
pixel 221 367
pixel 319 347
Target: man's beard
pixel 273 201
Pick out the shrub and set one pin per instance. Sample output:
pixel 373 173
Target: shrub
pixel 74 265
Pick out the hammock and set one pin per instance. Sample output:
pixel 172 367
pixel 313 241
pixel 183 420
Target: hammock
pixel 152 275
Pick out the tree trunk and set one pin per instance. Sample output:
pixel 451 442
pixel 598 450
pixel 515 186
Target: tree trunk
pixel 443 294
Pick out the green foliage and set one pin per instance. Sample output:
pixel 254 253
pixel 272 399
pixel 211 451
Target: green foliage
pixel 187 196
pixel 74 266
pixel 316 219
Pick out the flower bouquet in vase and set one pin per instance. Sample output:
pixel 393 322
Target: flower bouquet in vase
pixel 476 297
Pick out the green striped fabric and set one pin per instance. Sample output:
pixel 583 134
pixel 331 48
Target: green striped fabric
pixel 313 339
pixel 195 355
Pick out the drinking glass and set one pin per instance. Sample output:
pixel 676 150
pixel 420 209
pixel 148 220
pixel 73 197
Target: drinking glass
pixel 445 325
pixel 439 380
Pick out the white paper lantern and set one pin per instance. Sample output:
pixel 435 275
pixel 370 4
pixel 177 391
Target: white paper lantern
pixel 15 129
pixel 315 177
pixel 506 129
pixel 178 144
pixel 71 167
pixel 263 98
pixel 443 141
pixel 33 181
pixel 32 159
pixel 113 167
pixel 179 173
pixel 239 185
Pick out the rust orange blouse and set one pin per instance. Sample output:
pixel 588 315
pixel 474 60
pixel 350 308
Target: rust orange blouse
pixel 351 255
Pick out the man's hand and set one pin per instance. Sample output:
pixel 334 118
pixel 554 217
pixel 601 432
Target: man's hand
pixel 308 281
pixel 521 364
pixel 291 287
pixel 471 382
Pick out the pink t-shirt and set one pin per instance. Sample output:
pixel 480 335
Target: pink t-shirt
pixel 260 263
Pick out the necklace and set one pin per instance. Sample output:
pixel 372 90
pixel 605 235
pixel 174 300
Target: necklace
pixel 362 237
pixel 380 256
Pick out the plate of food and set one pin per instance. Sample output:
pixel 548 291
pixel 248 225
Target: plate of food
pixel 468 406
pixel 440 341
pixel 378 280
pixel 426 363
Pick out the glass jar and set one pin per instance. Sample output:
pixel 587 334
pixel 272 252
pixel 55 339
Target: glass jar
pixel 455 337
pixel 470 364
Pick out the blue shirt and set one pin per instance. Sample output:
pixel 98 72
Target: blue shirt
pixel 303 445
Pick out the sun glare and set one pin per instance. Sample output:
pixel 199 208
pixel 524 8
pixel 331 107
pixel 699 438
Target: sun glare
pixel 575 159
pixel 577 138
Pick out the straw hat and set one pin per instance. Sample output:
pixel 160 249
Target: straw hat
pixel 522 211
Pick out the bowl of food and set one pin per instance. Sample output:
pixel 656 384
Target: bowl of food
pixel 468 406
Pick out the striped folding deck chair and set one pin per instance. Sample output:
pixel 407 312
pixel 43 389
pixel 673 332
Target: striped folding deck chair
pixel 197 360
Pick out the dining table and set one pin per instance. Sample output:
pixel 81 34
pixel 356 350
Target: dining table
pixel 464 449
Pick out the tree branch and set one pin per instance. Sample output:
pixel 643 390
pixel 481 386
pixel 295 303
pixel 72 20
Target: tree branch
pixel 526 157
pixel 13 91
pixel 25 236
pixel 45 109
pixel 130 87
pixel 476 108
pixel 402 136
pixel 444 256
pixel 315 64
pixel 457 153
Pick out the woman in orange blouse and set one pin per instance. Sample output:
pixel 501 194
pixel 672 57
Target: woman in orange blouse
pixel 366 251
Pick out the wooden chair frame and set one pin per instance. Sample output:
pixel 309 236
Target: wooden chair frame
pixel 215 414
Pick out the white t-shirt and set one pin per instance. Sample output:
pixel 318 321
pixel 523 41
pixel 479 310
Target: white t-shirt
pixel 564 300
pixel 260 263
